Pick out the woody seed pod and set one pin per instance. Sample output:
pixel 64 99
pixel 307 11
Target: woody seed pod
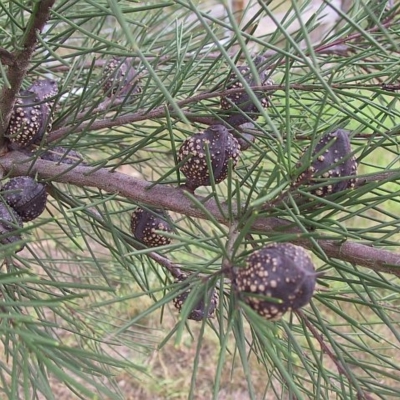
pixel 333 162
pixel 120 78
pixel 222 147
pixel 9 221
pixel 203 309
pixel 277 278
pixel 144 225
pixel 44 89
pixel 26 196
pixel 242 99
pixel 31 117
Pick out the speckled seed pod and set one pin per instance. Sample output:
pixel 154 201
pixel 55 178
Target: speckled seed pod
pixel 222 147
pixel 144 225
pixel 203 309
pixel 63 155
pixel 26 120
pixel 44 90
pixel 333 162
pixel 31 117
pixel 242 100
pixel 120 78
pixel 26 196
pixel 282 272
pixel 9 221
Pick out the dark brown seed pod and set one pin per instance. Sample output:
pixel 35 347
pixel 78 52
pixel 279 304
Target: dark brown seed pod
pixel 44 88
pixel 203 309
pixel 26 196
pixel 32 115
pixel 26 122
pixel 222 147
pixel 63 155
pixel 120 78
pixel 331 158
pixel 144 225
pixel 277 278
pixel 242 100
pixel 9 222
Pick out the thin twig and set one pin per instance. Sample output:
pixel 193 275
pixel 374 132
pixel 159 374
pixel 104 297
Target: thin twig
pixel 326 349
pixel 341 50
pixel 173 268
pixel 355 36
pixel 161 112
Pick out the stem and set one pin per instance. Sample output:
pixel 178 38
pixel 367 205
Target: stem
pixel 230 247
pixel 175 199
pixel 18 62
pixel 327 350
pixel 161 112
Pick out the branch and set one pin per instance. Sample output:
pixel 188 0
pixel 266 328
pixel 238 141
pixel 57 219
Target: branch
pixel 21 58
pixel 175 199
pixel 161 112
pixel 340 50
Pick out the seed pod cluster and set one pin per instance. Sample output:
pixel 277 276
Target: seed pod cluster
pixel 242 100
pixel 120 78
pixel 144 225
pixel 222 147
pixel 331 158
pixel 23 199
pixel 205 308
pixel 32 114
pixel 63 155
pixel 277 278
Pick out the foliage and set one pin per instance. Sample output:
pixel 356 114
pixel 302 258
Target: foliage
pixel 83 288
